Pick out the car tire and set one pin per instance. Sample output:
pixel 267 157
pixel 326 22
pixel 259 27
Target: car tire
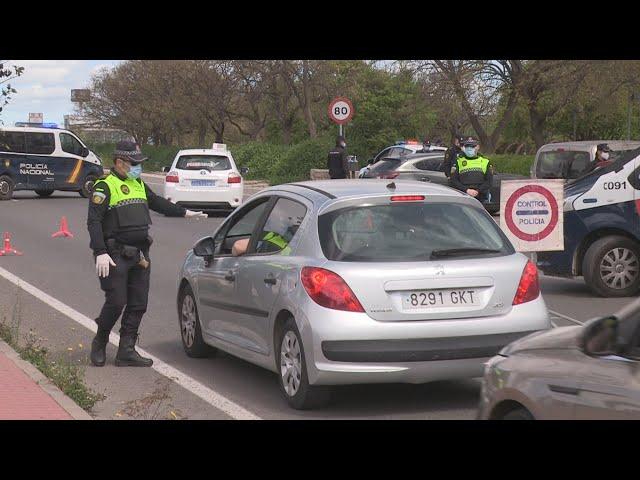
pixel 190 330
pixel 6 187
pixel 44 193
pixel 292 371
pixel 518 414
pixel 87 186
pixel 618 255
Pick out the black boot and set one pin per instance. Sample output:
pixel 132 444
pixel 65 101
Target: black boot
pixel 127 355
pixel 99 348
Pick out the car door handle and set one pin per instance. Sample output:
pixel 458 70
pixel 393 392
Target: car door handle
pixel 564 389
pixel 230 277
pixel 270 280
pixel 425 179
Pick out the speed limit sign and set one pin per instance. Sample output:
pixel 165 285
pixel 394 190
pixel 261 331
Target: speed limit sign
pixel 340 110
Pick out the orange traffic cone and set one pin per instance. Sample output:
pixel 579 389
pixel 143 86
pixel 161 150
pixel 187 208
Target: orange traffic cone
pixel 8 249
pixel 64 229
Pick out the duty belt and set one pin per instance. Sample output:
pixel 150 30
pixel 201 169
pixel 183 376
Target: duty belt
pixel 128 252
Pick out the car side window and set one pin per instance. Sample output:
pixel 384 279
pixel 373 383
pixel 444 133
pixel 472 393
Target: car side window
pixel 281 226
pixel 70 144
pixel 382 154
pixel 242 226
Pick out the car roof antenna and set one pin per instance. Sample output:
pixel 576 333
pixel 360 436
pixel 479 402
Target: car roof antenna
pixel 391 186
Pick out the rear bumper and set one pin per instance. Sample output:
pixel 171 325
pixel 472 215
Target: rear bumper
pixel 224 198
pixel 351 348
pixel 419 350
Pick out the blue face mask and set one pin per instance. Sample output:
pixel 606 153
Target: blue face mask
pixel 470 151
pixel 134 171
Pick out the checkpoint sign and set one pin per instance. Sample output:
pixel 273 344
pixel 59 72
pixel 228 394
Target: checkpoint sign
pixel 531 214
pixel 340 110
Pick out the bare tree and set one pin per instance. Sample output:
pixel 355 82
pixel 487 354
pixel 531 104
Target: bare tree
pixel 8 72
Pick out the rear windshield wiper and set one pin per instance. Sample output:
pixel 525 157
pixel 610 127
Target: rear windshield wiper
pixel 453 252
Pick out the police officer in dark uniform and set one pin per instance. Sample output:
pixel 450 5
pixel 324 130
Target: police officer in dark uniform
pixel 118 224
pixel 337 159
pixel 473 173
pixel 451 155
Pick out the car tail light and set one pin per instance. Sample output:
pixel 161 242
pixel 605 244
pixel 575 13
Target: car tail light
pixel 388 175
pixel 528 288
pixel 329 290
pixel 407 198
pixel 234 178
pixel 172 177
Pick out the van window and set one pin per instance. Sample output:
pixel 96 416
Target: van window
pixel 40 143
pixel 70 144
pixel 13 142
pixel 562 164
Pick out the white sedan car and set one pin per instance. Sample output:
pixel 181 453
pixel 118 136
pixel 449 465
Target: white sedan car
pixel 204 179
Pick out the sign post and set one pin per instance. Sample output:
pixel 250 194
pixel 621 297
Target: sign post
pixel 531 214
pixel 341 111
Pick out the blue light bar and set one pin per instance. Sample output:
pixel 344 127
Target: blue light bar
pixel 37 125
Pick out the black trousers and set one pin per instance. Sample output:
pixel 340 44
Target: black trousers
pixel 126 287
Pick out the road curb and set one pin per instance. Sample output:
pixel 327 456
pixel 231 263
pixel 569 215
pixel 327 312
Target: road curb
pixel 72 408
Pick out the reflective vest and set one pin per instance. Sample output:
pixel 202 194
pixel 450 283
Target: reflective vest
pixel 472 171
pixel 278 241
pixel 128 207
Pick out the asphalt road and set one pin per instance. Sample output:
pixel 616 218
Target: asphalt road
pixel 64 269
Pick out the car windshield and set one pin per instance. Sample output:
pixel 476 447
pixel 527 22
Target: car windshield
pixel 386 165
pixel 203 162
pixel 409 232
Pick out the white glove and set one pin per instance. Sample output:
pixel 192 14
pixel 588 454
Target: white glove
pixel 196 215
pixel 102 265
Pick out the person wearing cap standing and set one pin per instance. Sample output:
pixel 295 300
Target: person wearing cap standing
pixel 118 223
pixel 602 157
pixel 472 173
pixel 337 160
pixel 451 155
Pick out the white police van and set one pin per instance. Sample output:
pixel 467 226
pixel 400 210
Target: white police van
pixel 45 158
pixel 602 229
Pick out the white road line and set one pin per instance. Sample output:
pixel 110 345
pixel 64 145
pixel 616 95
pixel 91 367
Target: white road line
pixel 205 393
pixel 567 318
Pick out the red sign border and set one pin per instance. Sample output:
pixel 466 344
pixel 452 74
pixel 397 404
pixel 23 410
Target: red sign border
pixel 330 108
pixel 508 210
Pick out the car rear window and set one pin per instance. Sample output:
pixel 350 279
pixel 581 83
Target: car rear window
pixel 407 232
pixel 386 165
pixel 203 162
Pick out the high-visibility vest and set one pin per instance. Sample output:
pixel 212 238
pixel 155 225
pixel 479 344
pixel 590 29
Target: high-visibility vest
pixel 278 241
pixel 472 171
pixel 128 207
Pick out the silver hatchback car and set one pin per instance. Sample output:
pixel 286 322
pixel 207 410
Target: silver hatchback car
pixel 347 281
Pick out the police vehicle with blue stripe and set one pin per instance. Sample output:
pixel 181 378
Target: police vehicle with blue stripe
pixel 45 158
pixel 602 229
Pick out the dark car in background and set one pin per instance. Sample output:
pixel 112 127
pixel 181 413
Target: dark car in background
pixel 427 167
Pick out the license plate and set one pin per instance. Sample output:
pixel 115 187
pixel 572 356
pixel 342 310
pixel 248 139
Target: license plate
pixel 463 297
pixel 203 183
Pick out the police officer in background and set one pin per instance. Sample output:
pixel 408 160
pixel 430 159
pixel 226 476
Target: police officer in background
pixel 451 155
pixel 472 173
pixel 337 160
pixel 118 223
pixel 603 151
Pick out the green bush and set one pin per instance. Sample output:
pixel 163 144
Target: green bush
pixel 516 164
pixel 277 164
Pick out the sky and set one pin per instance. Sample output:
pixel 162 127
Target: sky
pixel 45 87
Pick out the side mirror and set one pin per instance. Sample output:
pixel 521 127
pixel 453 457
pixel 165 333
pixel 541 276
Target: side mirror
pixel 244 170
pixel 166 169
pixel 599 337
pixel 85 152
pixel 205 248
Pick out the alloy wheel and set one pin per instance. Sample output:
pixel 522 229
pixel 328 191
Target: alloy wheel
pixel 290 363
pixel 188 321
pixel 619 268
